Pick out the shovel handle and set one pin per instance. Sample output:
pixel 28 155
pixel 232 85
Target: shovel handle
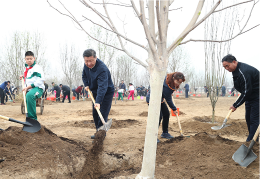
pixel 256 134
pixel 5 118
pixel 24 99
pixel 229 113
pixel 99 113
pixel 179 123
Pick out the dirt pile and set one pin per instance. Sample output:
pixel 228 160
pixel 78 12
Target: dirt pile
pixel 43 152
pixel 202 156
pixel 93 165
pixel 237 127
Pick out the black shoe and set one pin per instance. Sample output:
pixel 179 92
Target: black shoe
pixel 62 101
pixel 158 140
pixel 92 137
pixel 69 102
pixel 167 136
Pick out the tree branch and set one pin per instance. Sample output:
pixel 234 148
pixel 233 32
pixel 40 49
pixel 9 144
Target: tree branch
pixel 125 5
pixel 147 32
pixel 192 24
pixel 120 40
pixel 77 22
pixel 158 20
pixel 117 34
pixel 240 33
pixel 234 5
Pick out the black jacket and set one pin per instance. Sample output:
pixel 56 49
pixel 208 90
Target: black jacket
pixel 65 88
pixel 246 81
pixel 99 80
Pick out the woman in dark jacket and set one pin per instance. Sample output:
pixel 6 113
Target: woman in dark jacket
pixel 171 83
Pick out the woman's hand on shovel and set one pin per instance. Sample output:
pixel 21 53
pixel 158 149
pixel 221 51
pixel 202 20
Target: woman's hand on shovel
pixel 97 105
pixel 175 112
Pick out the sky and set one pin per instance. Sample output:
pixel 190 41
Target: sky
pixel 32 15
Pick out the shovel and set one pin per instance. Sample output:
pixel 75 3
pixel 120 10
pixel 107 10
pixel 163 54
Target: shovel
pixel 30 125
pixel 244 156
pixel 224 122
pixel 106 125
pixel 179 123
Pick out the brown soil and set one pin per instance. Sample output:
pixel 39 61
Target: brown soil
pixel 63 148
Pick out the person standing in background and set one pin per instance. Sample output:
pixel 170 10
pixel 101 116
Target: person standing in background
pixel 131 91
pixel 187 89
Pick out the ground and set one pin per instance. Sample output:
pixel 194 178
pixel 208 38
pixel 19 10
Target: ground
pixel 63 147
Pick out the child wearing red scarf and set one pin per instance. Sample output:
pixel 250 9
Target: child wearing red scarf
pixel 34 83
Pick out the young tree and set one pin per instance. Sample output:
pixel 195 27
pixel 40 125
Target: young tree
pixel 215 28
pixel 155 29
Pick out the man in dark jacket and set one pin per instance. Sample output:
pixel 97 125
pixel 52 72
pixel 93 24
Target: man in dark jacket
pixel 65 91
pixel 2 92
pixel 246 81
pixel 96 77
pixel 122 86
pixel 187 89
pixel 55 87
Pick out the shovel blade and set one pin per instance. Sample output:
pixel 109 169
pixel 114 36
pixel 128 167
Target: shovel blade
pixel 239 156
pixel 106 126
pixel 31 125
pixel 219 127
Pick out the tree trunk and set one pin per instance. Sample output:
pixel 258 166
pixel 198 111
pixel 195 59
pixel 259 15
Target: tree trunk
pixel 150 145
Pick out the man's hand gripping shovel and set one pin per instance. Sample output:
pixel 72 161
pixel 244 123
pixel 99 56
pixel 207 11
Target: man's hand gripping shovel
pixel 106 125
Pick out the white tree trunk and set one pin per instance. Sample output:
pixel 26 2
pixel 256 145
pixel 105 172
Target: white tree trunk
pixel 150 145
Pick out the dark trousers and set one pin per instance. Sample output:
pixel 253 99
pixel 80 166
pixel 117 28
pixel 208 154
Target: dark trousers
pixel 66 93
pixel 44 94
pixel 252 117
pixel 186 93
pixel 57 95
pixel 165 115
pixel 2 95
pixel 105 107
pixel 6 97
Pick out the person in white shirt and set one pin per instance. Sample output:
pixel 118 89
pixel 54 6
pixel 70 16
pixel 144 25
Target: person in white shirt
pixel 131 91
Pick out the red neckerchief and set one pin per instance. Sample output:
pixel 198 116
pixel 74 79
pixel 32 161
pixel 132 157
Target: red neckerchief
pixel 26 71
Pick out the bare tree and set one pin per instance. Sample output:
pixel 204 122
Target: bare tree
pixel 13 61
pixel 155 29
pixel 70 63
pixel 218 26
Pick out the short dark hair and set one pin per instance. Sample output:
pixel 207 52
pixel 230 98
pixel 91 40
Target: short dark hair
pixel 29 53
pixel 229 58
pixel 60 84
pixel 89 53
pixel 81 85
pixel 8 82
pixel 52 83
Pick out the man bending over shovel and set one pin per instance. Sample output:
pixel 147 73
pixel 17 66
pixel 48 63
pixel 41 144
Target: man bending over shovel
pixel 246 81
pixel 34 83
pixel 96 77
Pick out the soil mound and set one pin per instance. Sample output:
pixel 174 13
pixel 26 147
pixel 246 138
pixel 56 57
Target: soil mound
pixel 143 114
pixel 202 156
pixel 43 152
pixel 237 127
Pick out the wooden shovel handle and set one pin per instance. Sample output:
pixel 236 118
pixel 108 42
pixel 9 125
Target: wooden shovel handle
pixel 99 113
pixel 24 98
pixel 229 113
pixel 256 134
pixel 5 118
pixel 179 123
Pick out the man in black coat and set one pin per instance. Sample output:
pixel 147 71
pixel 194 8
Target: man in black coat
pixel 55 87
pixel 96 77
pixel 65 91
pixel 246 81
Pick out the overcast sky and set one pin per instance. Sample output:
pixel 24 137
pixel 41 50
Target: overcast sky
pixel 32 15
